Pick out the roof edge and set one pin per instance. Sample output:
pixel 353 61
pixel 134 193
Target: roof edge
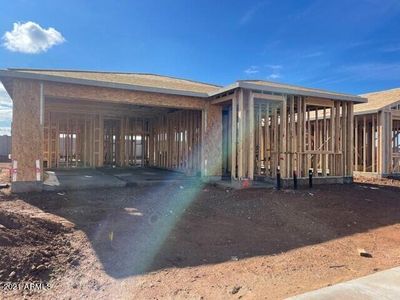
pixel 112 72
pixel 106 84
pixel 311 92
pixel 366 112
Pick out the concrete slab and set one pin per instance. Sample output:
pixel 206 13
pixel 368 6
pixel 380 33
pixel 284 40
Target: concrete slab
pixel 238 185
pixel 147 176
pixel 381 285
pixel 80 178
pixel 26 186
pixel 76 179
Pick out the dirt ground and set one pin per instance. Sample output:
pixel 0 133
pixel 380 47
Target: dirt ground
pixel 195 242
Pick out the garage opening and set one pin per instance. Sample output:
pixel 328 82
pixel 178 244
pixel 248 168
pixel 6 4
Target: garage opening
pixel 95 134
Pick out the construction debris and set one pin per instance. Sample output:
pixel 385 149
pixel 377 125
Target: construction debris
pixel 4 185
pixel 364 253
pixel 235 289
pixel 337 266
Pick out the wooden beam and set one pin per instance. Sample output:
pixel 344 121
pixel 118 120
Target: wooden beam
pixel 251 136
pixel 373 142
pixel 319 102
pixel 356 144
pixel 234 135
pixel 283 135
pixel 268 97
pixel 240 135
pixel 226 98
pixel 364 144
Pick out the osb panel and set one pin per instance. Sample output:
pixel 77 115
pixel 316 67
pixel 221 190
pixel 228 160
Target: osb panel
pixel 26 129
pixel 82 92
pixel 212 140
pixel 378 100
pixel 107 109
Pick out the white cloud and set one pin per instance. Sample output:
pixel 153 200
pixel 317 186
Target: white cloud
pixel 274 76
pixel 249 13
pixel 5 100
pixel 313 54
pixel 5 111
pixel 31 38
pixel 252 70
pixel 372 71
pixel 5 131
pixel 361 72
pixel 275 71
pixel 5 114
pixel 395 48
pixel 274 67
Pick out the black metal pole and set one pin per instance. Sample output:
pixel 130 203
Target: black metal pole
pixel 278 178
pixel 294 180
pixel 310 173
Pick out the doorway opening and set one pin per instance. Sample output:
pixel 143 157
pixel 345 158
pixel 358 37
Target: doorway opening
pixel 112 129
pixel 226 142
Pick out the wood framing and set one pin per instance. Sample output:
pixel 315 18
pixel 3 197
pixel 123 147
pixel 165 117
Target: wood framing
pixel 293 133
pixel 376 135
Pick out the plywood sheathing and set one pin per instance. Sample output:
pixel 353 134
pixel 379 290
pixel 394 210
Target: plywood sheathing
pixel 27 132
pixel 378 101
pixel 110 95
pixel 211 141
pixel 108 109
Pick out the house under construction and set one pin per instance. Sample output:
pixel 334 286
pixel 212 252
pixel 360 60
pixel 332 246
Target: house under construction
pixel 247 130
pixel 377 135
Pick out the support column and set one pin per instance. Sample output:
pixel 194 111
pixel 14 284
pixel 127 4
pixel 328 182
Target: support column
pixel 240 135
pixel 350 135
pixel 385 148
pixel 373 143
pixel 355 168
pixel 234 137
pixel 121 161
pixel 364 144
pixel 283 154
pixel 211 141
pixel 27 135
pixel 388 124
pixel 251 136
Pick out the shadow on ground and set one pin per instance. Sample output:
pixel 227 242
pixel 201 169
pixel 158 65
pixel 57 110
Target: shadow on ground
pixel 135 230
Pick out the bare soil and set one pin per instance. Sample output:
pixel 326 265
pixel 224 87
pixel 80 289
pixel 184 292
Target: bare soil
pixel 196 242
pixel 378 181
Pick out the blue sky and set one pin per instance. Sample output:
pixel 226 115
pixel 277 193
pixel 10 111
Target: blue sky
pixel 349 46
